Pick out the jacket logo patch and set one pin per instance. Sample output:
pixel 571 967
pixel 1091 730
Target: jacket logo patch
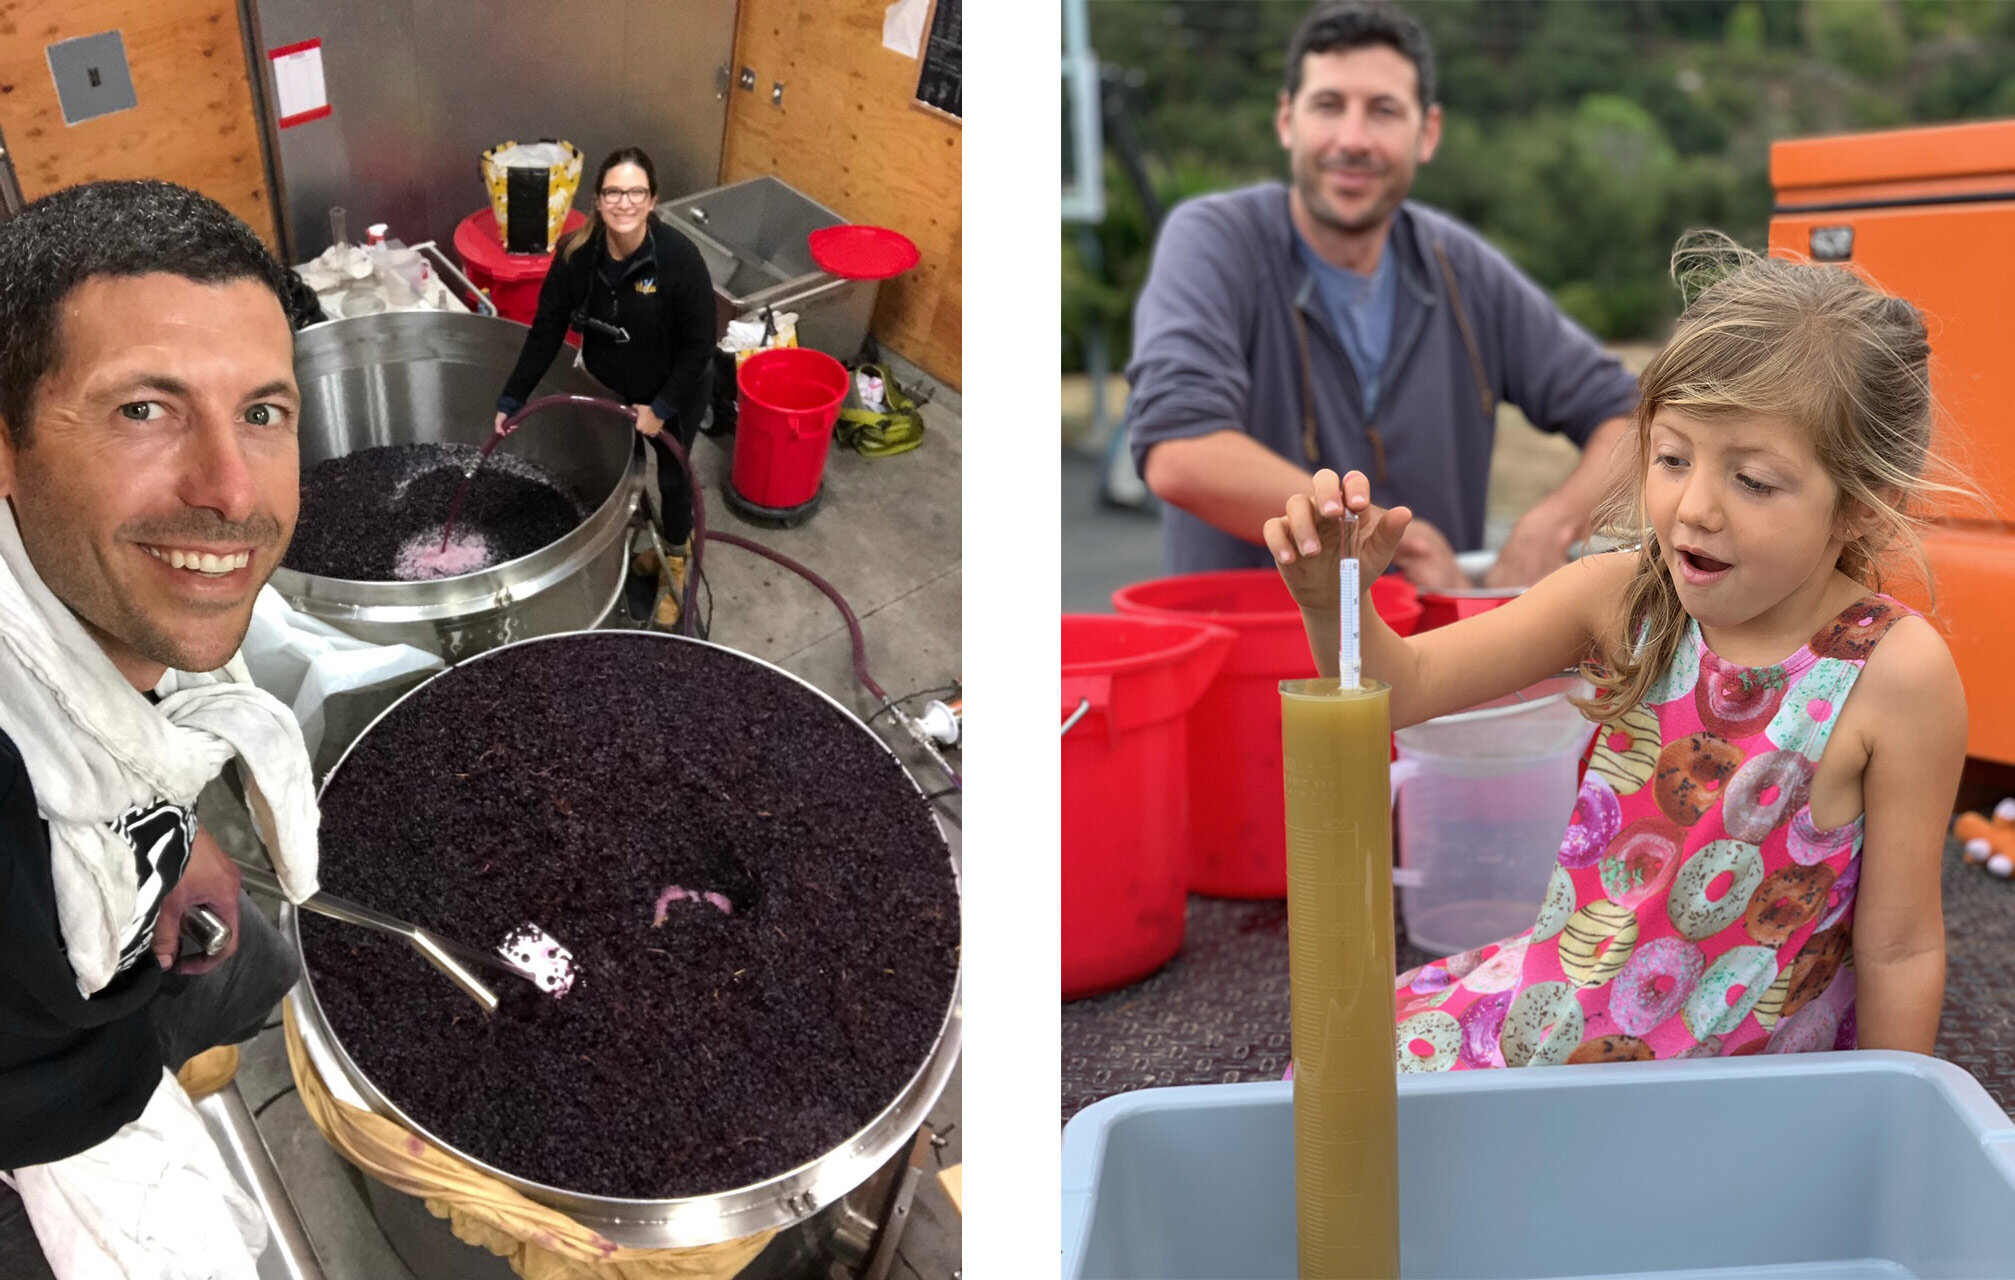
pixel 649 284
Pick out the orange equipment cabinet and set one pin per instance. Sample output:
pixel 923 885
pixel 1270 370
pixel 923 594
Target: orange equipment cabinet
pixel 1930 214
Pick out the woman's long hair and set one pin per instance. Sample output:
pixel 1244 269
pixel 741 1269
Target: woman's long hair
pixel 1812 344
pixel 588 230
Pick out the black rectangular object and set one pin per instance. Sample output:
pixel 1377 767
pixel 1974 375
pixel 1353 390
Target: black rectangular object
pixel 941 85
pixel 525 194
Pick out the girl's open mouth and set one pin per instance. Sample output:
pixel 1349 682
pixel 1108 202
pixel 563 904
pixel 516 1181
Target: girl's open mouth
pixel 1700 569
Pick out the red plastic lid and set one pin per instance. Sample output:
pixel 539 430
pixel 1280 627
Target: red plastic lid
pixel 863 253
pixel 481 244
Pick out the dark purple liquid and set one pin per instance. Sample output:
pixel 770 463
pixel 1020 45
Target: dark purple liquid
pixel 366 512
pixel 571 782
pixel 462 490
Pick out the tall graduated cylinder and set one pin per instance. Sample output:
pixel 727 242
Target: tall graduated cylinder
pixel 1340 968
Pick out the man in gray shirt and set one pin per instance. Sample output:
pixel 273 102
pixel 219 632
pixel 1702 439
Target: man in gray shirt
pixel 1334 323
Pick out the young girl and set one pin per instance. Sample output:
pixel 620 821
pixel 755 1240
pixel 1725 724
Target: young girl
pixel 1753 861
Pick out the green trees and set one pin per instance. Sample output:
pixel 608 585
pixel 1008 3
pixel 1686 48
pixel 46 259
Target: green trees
pixel 1582 136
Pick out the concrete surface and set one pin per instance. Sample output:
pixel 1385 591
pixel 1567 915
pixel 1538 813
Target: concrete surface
pixel 888 539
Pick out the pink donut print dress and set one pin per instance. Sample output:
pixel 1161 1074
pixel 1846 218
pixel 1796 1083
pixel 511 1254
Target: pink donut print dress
pixel 1695 910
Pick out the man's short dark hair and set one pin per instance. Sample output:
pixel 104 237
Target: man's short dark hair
pixel 128 228
pixel 1359 24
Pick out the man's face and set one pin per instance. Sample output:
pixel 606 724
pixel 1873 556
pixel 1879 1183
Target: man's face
pixel 1355 133
pixel 165 433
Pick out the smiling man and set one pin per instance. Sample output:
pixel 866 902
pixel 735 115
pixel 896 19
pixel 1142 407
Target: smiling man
pixel 1334 323
pixel 150 469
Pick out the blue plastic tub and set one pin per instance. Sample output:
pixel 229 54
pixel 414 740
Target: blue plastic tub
pixel 1825 1164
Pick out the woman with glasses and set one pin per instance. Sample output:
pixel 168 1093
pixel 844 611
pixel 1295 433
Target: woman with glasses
pixel 644 306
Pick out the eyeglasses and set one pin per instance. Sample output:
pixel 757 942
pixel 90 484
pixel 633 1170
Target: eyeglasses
pixel 625 195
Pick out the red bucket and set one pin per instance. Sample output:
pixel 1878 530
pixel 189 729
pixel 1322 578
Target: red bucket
pixel 1238 815
pixel 1128 685
pixel 1439 608
pixel 790 399
pixel 512 280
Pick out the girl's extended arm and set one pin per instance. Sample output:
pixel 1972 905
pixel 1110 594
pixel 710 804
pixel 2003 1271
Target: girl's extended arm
pixel 1548 629
pixel 1911 779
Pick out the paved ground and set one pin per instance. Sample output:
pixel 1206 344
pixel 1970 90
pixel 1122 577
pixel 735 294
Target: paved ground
pixel 888 538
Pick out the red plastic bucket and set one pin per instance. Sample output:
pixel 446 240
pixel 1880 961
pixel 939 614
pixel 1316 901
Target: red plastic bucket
pixel 1439 608
pixel 790 399
pixel 1128 685
pixel 1238 817
pixel 512 280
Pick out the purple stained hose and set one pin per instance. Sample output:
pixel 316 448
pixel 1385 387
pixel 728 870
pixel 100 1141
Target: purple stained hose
pixel 701 536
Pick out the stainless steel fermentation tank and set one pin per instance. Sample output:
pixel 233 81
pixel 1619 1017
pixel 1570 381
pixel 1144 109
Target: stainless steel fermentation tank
pixel 429 377
pixel 823 1210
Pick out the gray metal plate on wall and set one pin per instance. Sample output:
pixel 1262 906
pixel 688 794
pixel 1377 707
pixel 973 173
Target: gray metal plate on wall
pixel 91 76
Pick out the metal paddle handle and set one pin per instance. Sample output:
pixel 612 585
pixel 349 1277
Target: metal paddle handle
pixel 450 958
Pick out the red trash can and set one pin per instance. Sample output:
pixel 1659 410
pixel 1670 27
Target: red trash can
pixel 1128 685
pixel 790 398
pixel 1238 812
pixel 512 280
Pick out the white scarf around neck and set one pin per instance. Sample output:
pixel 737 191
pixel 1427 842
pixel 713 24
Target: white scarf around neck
pixel 95 748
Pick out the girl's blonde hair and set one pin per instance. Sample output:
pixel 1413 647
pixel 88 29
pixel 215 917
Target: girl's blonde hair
pixel 1815 345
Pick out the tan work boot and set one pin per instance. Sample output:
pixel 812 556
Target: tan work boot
pixel 208 1071
pixel 672 585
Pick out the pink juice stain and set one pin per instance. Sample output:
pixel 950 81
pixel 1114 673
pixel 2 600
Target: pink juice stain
pixel 422 558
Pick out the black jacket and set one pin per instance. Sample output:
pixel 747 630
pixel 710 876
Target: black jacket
pixel 661 295
pixel 73 1071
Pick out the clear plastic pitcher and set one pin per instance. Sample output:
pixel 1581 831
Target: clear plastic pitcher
pixel 1484 797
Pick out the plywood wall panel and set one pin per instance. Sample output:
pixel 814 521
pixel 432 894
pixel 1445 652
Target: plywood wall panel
pixel 848 135
pixel 193 122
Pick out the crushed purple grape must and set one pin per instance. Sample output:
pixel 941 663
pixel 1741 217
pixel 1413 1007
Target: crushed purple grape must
pixel 358 511
pixel 567 782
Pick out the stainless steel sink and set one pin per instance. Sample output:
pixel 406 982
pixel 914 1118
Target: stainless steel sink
pixel 753 235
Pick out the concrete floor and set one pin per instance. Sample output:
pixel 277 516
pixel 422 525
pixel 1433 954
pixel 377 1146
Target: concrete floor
pixel 887 539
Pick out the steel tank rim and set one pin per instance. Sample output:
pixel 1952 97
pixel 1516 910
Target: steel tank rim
pixel 487 590
pixel 391 603
pixel 690 1221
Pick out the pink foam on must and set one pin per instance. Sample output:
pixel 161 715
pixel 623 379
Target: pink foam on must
pixel 424 557
pixel 674 893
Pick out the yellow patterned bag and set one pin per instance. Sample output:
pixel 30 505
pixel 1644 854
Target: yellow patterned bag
pixel 562 162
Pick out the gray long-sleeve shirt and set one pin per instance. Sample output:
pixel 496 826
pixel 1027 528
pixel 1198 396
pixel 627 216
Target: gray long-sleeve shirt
pixel 1216 348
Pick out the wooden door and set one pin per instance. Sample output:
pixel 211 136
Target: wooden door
pixel 192 122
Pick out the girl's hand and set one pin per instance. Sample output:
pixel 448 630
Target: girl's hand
pixel 647 422
pixel 1307 541
pixel 498 429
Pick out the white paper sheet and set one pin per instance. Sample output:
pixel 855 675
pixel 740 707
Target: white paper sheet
pixel 903 26
pixel 298 83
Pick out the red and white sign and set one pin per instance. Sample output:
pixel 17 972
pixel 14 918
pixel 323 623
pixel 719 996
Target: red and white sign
pixel 299 92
